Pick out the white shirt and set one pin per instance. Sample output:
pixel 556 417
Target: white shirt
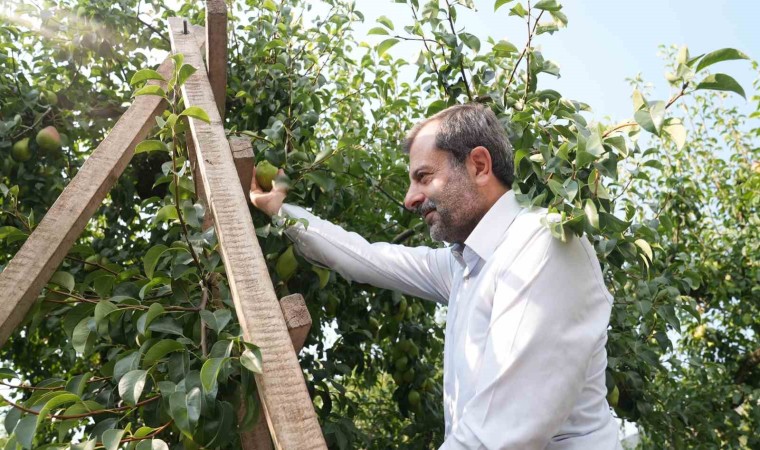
pixel 526 327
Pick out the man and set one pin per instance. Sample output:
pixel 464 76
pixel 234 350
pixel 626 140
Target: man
pixel 527 318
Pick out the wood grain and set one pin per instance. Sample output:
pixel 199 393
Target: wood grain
pixel 42 253
pixel 242 153
pixel 298 321
pixel 282 389
pixel 216 50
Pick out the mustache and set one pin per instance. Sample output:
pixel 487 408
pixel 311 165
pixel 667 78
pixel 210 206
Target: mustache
pixel 424 208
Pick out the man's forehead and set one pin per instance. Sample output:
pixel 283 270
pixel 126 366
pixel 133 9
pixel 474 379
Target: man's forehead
pixel 423 149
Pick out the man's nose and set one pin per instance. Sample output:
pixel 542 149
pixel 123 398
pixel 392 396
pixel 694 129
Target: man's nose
pixel 413 199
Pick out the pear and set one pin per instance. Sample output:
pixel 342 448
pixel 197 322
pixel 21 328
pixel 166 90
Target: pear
pixel 48 139
pixel 414 398
pixel 265 173
pixel 20 151
pixel 286 264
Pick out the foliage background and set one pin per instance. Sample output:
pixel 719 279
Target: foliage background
pixel 668 200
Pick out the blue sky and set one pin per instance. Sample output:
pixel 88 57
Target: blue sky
pixel 607 41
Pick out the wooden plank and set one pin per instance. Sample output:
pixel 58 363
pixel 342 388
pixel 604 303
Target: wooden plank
pixel 200 191
pixel 282 389
pixel 297 318
pixel 30 269
pixel 242 153
pixel 216 50
pixel 298 321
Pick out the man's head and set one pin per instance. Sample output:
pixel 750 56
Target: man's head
pixel 460 163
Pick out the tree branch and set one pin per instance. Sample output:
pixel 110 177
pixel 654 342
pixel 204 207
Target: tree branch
pixel 461 61
pixel 81 416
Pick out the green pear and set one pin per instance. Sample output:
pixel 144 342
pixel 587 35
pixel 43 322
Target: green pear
pixel 265 173
pixel 48 139
pixel 414 398
pixel 90 262
pixel 20 151
pixel 286 264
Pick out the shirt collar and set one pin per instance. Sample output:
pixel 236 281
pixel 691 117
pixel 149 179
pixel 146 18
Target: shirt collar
pixel 490 231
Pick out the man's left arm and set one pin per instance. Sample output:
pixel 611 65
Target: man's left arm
pixel 550 314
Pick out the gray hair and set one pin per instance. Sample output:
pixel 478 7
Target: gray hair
pixel 464 127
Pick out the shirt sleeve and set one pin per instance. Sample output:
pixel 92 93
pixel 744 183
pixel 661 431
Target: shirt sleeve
pixel 419 271
pixel 550 314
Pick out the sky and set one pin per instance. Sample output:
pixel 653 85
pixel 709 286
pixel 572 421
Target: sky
pixel 607 41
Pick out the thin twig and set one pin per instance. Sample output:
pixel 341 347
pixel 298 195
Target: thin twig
pixel 525 50
pixel 201 307
pixel 98 265
pixel 461 60
pixel 154 29
pixel 80 416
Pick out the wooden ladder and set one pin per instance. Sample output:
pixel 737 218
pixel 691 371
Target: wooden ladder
pixel 279 328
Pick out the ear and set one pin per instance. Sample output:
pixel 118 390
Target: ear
pixel 480 160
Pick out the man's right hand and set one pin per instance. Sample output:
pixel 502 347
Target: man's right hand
pixel 268 202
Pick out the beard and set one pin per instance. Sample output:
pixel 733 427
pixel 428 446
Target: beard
pixel 456 210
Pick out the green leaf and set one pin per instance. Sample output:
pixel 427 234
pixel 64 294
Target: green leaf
pixel 150 260
pixel 7 374
pixel 386 45
pixel 112 438
pixel 103 309
pixel 144 75
pixel 166 325
pixel 504 48
pixel 77 384
pixel 645 248
pixel 178 59
pixel 471 41
pixel 270 5
pixel 151 89
pixel 500 3
pixel 196 112
pixel 150 146
pixel 184 73
pixel 591 213
pixel 216 320
pixel 194 403
pixel 325 183
pixel 251 360
pixel 594 144
pixel 64 280
pixel 80 338
pixel 651 118
pixel 210 371
pixel 24 431
pixel 159 350
pixel 126 364
pixel 153 444
pixel 178 411
pixel 378 30
pixel 55 402
pixel 721 82
pixel 724 54
pixel 275 44
pixel 548 5
pixel 166 213
pixel 131 386
pixel 85 445
pixel 143 323
pixel 386 21
pixel 677 132
pixel 518 10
